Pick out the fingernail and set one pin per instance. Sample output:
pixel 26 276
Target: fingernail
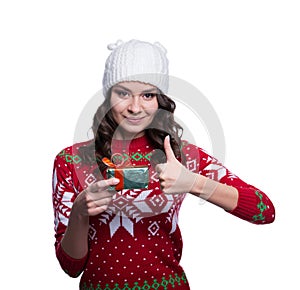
pixel 116 181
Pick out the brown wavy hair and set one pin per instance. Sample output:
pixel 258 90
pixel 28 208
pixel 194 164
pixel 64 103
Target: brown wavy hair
pixel 104 126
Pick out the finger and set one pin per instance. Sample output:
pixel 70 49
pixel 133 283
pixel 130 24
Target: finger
pixel 93 187
pixel 103 184
pixel 97 210
pixel 168 149
pixel 105 201
pixel 110 182
pixel 159 168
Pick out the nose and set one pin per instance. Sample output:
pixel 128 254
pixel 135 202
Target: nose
pixel 135 105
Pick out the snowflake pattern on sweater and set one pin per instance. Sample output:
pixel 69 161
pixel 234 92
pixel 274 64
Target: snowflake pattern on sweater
pixel 136 243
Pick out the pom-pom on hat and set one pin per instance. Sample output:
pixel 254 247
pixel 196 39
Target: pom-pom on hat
pixel 136 60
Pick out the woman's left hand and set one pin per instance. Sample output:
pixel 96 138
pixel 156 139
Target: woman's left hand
pixel 173 176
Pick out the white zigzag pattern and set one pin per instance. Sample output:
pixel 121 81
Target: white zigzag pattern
pixel 121 214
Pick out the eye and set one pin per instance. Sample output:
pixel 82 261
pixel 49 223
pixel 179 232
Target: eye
pixel 149 96
pixel 121 93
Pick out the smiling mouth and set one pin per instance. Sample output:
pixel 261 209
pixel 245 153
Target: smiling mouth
pixel 134 120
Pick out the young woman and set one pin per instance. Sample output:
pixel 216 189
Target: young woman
pixel 124 237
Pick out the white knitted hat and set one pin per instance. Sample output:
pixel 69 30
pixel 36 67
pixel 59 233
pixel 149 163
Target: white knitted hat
pixel 136 61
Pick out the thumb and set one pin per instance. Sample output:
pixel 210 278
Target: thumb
pixel 168 149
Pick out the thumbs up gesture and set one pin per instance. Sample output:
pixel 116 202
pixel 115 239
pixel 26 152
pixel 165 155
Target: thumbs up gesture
pixel 173 176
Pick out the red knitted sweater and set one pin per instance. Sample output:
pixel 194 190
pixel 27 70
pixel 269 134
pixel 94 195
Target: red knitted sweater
pixel 136 243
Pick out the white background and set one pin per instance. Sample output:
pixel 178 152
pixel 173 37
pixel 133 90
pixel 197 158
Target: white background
pixel 242 55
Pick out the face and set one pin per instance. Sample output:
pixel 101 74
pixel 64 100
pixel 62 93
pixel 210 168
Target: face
pixel 134 105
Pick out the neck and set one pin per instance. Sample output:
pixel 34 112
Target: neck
pixel 122 135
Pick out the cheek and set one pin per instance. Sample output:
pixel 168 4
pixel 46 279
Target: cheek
pixel 153 108
pixel 116 114
pixel 117 108
pixel 153 111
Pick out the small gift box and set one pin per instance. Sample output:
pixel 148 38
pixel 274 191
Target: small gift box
pixel 130 177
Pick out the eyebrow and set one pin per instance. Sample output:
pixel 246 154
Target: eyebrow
pixel 128 90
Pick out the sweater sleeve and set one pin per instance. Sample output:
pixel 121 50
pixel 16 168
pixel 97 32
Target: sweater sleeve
pixel 63 196
pixel 253 204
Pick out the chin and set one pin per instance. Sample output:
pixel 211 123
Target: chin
pixel 132 132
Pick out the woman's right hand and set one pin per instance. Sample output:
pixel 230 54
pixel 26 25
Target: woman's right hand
pixel 95 198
